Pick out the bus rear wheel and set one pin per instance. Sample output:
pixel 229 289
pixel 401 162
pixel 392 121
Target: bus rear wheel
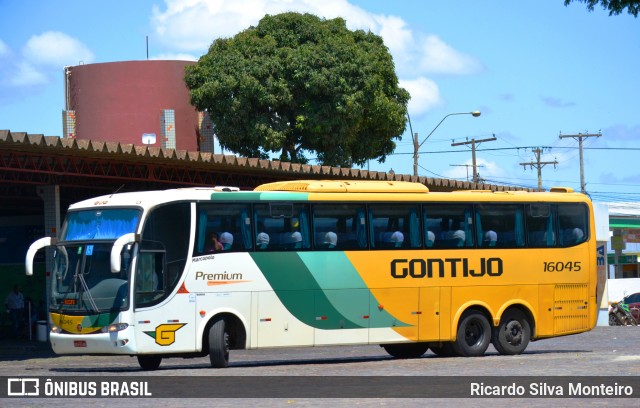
pixel 474 335
pixel 411 350
pixel 219 344
pixel 149 362
pixel 512 336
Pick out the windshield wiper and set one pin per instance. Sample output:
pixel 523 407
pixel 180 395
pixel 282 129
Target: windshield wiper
pixel 92 302
pixel 80 276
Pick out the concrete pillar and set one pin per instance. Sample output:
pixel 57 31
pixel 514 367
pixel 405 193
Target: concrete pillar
pixel 51 197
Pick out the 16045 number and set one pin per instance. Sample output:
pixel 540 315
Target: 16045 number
pixel 571 266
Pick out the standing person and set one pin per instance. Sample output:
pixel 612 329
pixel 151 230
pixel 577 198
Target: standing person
pixel 15 307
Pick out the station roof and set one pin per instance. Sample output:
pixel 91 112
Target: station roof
pixel 85 168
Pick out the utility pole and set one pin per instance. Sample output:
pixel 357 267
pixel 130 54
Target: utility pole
pixel 473 143
pixel 539 165
pixel 581 136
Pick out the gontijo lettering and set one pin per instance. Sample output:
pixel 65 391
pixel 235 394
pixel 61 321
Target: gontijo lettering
pixel 447 267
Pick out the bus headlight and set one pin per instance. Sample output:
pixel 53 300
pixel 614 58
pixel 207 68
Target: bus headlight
pixel 56 329
pixel 116 327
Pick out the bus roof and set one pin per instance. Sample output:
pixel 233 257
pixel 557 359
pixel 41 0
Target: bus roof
pixel 345 186
pixel 323 190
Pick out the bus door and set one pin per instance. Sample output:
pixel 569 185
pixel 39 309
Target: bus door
pixel 164 323
pixel 430 314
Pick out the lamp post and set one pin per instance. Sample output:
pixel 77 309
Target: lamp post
pixel 417 145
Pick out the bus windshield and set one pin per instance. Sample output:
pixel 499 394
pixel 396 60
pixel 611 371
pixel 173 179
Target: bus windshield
pixel 99 224
pixel 82 280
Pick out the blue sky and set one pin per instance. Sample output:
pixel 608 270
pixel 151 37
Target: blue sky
pixel 534 68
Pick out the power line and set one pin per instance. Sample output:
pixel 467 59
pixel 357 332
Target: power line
pixel 523 147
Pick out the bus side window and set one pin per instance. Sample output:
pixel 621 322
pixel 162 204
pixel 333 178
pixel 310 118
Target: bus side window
pixel 451 225
pixel 572 224
pixel 337 226
pixel 500 225
pixel 229 223
pixel 286 224
pixel 395 226
pixel 540 225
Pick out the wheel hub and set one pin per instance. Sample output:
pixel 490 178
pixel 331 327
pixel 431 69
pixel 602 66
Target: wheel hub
pixel 513 332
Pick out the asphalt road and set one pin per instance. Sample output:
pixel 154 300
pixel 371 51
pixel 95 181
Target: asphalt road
pixel 611 353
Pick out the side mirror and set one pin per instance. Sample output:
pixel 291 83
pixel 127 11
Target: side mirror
pixel 116 250
pixel 33 249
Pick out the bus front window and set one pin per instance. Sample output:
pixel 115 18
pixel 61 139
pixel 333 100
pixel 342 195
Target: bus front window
pixel 82 281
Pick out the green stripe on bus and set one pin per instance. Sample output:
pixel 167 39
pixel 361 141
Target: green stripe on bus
pixel 259 196
pixel 320 296
pixel 345 289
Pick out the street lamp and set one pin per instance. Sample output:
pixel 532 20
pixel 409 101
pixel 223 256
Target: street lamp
pixel 417 146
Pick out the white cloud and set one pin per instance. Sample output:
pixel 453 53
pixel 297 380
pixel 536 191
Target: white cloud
pixel 192 25
pixel 56 49
pixel 25 74
pixel 438 57
pixel 425 95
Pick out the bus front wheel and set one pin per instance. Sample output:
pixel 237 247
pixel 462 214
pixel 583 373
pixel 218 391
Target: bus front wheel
pixel 219 345
pixel 474 335
pixel 410 350
pixel 512 336
pixel 149 362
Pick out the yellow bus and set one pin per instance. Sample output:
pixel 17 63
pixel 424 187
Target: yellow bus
pixel 197 271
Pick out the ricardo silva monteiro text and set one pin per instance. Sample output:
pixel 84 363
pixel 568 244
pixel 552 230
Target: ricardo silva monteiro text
pixel 540 389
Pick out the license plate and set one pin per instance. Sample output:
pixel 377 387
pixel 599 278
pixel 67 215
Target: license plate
pixel 79 343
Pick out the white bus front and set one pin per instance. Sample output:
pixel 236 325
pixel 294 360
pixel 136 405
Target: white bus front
pixel 89 303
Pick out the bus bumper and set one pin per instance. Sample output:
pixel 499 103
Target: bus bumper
pixel 122 342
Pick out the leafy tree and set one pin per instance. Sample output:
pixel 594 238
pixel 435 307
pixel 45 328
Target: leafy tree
pixel 296 83
pixel 615 7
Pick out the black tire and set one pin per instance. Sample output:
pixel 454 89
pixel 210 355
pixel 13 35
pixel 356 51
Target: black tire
pixel 512 336
pixel 219 345
pixel 149 362
pixel 444 350
pixel 474 335
pixel 619 318
pixel 411 350
pixel 613 320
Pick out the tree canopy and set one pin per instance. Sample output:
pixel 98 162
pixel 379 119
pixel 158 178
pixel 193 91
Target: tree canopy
pixel 297 84
pixel 615 7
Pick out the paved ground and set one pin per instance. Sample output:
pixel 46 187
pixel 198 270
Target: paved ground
pixel 613 352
